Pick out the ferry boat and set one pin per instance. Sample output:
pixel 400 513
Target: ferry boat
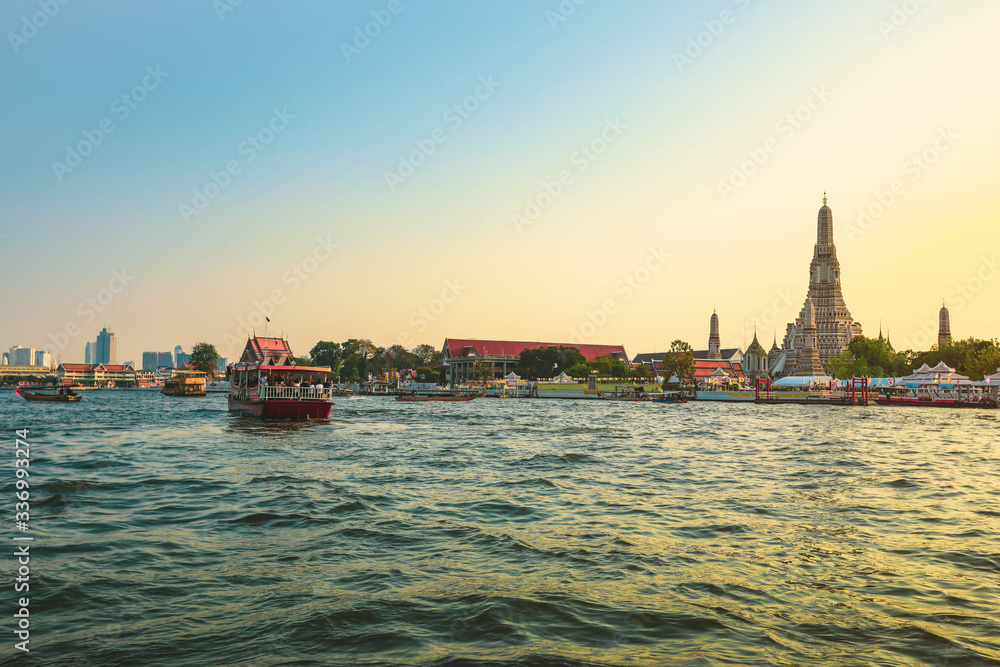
pixel 185 384
pixel 938 387
pixel 625 393
pixel 266 383
pixel 217 387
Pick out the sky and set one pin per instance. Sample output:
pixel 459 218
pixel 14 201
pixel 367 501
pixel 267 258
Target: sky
pixel 405 170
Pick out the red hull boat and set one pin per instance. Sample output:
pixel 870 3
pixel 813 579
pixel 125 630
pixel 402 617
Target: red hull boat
pixel 266 383
pixel 281 409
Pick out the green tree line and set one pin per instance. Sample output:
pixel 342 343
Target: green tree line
pixel 872 357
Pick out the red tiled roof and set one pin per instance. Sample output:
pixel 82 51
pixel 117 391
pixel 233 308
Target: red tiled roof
pixel 258 348
pixel 705 367
pixel 76 367
pixel 457 348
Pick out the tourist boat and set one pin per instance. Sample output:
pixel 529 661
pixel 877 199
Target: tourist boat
pixel 938 387
pixel 625 393
pixel 415 397
pixel 669 397
pixel 187 384
pixel 928 397
pixel 266 383
pixel 217 387
pixel 65 396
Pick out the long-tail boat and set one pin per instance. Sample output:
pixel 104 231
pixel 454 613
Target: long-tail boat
pixel 66 396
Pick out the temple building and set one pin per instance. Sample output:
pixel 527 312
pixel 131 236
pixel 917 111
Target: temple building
pixel 756 362
pixel 832 325
pixel 716 361
pixel 944 326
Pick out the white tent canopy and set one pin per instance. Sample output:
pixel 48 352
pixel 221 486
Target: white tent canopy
pixel 940 374
pixel 802 381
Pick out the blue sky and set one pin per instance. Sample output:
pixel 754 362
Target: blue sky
pixel 890 83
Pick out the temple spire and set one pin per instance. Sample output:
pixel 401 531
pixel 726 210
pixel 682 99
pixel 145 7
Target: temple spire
pixel 714 344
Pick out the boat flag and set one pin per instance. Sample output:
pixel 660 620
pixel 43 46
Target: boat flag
pixel 268 319
pixel 17 390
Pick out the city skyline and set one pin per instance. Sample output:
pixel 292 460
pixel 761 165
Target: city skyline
pixel 516 172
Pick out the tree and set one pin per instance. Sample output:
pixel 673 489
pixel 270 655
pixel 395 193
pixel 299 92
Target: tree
pixel 357 353
pixel 679 362
pixel 401 358
pixel 972 356
pixel 428 355
pixel 640 372
pixel 204 358
pixel 327 353
pixel 483 371
pixel 609 366
pixel 579 371
pixel 547 361
pixel 427 374
pixel 869 357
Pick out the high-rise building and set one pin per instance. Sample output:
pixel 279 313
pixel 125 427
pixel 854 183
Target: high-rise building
pixel 107 347
pixel 90 353
pixel 182 359
pixel 834 325
pixel 944 326
pixel 6 359
pixel 22 356
pixel 154 360
pixel 221 364
pixel 43 358
pixel 177 352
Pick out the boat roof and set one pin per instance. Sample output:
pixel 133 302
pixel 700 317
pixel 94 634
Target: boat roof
pixel 285 369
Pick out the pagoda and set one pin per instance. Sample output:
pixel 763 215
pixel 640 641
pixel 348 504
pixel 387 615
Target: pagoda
pixel 834 326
